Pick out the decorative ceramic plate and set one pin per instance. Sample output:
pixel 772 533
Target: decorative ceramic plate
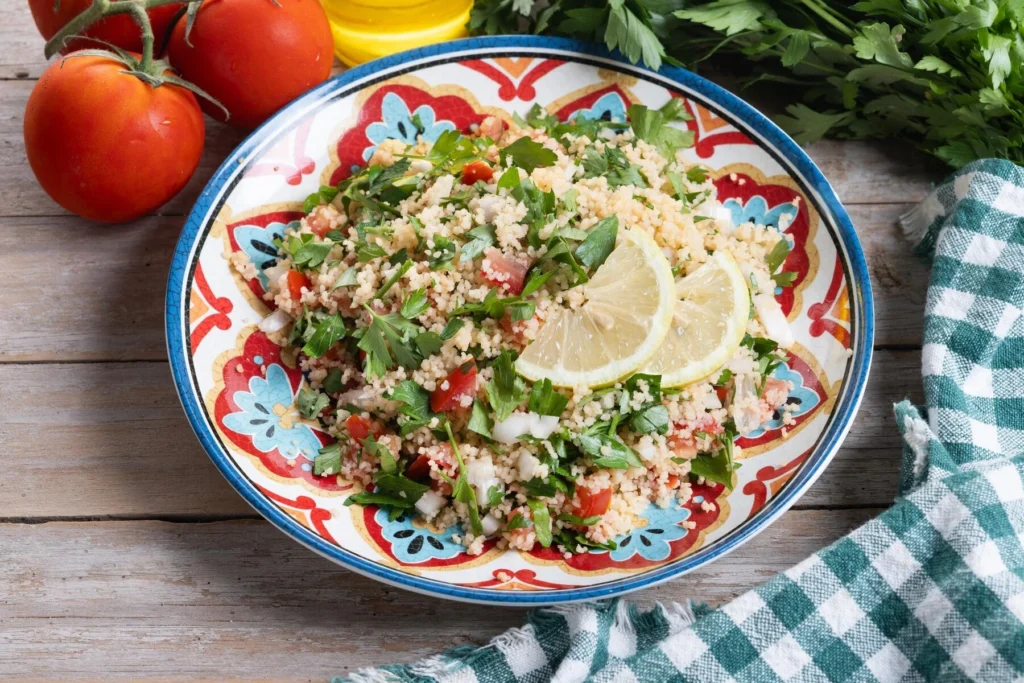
pixel 231 378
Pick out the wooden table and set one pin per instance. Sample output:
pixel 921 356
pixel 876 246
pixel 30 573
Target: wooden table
pixel 124 554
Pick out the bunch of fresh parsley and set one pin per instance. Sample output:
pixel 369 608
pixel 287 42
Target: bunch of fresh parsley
pixel 945 74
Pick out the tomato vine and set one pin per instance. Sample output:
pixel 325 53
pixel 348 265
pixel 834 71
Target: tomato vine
pixel 155 72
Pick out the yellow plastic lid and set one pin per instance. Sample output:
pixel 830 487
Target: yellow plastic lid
pixel 368 29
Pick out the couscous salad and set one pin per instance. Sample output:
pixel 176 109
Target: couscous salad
pixel 534 331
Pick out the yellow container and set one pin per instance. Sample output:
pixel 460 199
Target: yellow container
pixel 368 29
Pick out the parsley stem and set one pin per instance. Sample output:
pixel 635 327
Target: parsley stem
pixel 834 20
pixel 614 424
pixel 455 446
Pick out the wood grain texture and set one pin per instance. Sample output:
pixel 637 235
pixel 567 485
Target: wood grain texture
pixel 22 56
pixel 239 600
pixel 115 437
pixel 104 298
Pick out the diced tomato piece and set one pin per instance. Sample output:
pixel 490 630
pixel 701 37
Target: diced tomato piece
pixel 722 393
pixel 672 481
pixel 461 382
pixel 683 444
pixel 709 425
pixel 592 503
pixel 296 281
pixel 359 428
pixel 419 469
pixel 502 271
pixel 319 220
pixel 475 171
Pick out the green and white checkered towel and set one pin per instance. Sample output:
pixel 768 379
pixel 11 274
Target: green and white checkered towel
pixel 932 590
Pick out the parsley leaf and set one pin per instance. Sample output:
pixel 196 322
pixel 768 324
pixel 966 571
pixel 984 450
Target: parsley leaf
pixel 325 195
pixel 518 522
pixel 650 420
pixel 619 456
pixel 505 390
pixel 311 402
pixel 382 499
pixel 509 180
pixel 415 409
pixel 599 243
pixel 328 460
pixel 479 421
pixel 544 400
pixel 652 125
pixel 328 332
pixel 541 521
pixel 349 278
pixel 482 237
pixel 332 383
pixel 576 520
pixel 415 304
pixel 443 253
pixel 385 332
pixel 399 486
pixel 527 155
pixel 713 468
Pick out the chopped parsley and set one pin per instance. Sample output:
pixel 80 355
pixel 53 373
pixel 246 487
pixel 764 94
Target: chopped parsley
pixel 527 155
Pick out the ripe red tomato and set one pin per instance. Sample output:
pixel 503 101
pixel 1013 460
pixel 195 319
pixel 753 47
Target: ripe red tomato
pixel 253 56
pixel 118 30
pixel 475 171
pixel 107 146
pixel 296 281
pixel 448 395
pixel 592 503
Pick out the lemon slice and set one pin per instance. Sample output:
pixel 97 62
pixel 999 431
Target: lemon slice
pixel 708 325
pixel 627 313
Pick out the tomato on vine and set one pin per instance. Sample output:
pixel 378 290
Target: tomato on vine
pixel 103 162
pixel 112 135
pixel 119 30
pixel 228 49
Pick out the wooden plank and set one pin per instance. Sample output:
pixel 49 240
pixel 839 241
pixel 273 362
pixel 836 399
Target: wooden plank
pixel 113 438
pixel 861 172
pixel 238 600
pixel 22 56
pixel 103 439
pixel 104 296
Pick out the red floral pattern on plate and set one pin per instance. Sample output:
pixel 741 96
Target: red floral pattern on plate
pixel 354 142
pixel 202 302
pixel 259 356
pixel 743 188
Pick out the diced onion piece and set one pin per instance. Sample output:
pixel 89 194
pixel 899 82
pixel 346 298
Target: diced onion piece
pixel 489 525
pixel 528 466
pixel 440 190
pixel 480 474
pixel 420 166
pixel 488 205
pixel 746 408
pixel 275 322
pixel 275 272
pixel 537 426
pixel 430 503
pixel 774 321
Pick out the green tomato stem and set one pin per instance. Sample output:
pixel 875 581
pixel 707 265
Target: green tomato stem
pixel 105 8
pixel 138 13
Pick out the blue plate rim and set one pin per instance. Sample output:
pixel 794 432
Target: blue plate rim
pixel 792 156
